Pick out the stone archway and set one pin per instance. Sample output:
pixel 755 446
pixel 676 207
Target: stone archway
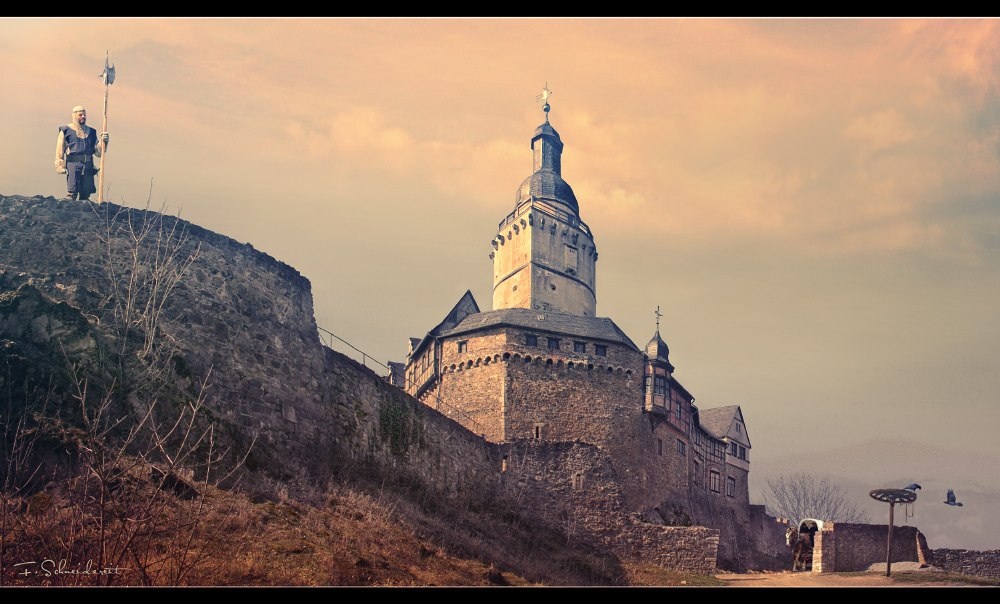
pixel 803 546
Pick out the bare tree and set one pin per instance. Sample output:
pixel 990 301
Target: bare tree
pixel 801 495
pixel 146 259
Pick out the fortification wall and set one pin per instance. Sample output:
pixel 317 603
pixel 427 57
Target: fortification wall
pixel 590 402
pixel 575 486
pixel 843 547
pixel 377 426
pixel 264 369
pixel 969 562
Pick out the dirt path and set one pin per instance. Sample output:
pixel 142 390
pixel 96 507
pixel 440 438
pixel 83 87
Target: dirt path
pixel 804 579
pixel 913 577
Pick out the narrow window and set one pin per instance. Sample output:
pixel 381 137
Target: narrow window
pixel 538 431
pixel 579 347
pixel 681 447
pixel 659 446
pixel 695 471
pixel 578 481
pixel 530 340
pixel 734 449
pixel 730 486
pixel 463 346
pixel 600 350
pixel 713 481
pixel 553 343
pixel 660 385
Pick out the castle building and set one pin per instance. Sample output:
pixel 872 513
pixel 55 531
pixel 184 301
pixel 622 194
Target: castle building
pixel 542 366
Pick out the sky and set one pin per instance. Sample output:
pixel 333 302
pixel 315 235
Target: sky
pixel 813 204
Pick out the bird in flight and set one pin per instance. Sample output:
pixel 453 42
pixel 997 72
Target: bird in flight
pixel 913 487
pixel 950 499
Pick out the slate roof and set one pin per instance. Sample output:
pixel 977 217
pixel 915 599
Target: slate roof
pixel 598 328
pixel 657 348
pixel 716 421
pixel 546 184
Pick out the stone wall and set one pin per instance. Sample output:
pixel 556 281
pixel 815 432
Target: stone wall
pixel 586 402
pixel 969 562
pixel 245 321
pixel 472 396
pixel 749 538
pixel 374 425
pixel 264 368
pixel 766 541
pixel 855 547
pixel 575 487
pixel 500 387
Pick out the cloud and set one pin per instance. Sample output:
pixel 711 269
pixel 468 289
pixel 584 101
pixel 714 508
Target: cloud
pixel 879 131
pixel 815 135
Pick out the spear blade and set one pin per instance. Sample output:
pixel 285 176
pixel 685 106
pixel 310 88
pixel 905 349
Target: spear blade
pixel 108 75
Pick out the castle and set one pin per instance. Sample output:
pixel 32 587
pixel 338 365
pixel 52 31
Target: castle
pixel 542 366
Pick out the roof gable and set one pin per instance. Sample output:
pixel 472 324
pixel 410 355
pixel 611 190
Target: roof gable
pixel 716 421
pixel 465 307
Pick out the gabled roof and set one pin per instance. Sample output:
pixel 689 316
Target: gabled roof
pixel 559 323
pixel 716 421
pixel 465 306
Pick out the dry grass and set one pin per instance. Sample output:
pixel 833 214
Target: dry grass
pixel 342 536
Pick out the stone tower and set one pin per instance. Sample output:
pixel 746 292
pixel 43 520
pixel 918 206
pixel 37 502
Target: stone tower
pixel 544 256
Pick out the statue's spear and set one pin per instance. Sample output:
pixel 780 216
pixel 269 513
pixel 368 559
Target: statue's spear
pixel 109 78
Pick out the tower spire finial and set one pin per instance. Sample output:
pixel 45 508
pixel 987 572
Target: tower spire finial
pixel 658 315
pixel 544 98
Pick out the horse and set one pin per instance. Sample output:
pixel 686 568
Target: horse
pixel 802 547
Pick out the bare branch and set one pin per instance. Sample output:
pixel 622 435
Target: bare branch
pixel 800 496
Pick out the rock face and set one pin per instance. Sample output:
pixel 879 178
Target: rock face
pixel 37 337
pixel 242 323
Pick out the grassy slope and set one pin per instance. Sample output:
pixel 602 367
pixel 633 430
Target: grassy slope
pixel 347 535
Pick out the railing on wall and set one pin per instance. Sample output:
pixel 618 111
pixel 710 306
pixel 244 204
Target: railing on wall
pixel 452 411
pixel 365 357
